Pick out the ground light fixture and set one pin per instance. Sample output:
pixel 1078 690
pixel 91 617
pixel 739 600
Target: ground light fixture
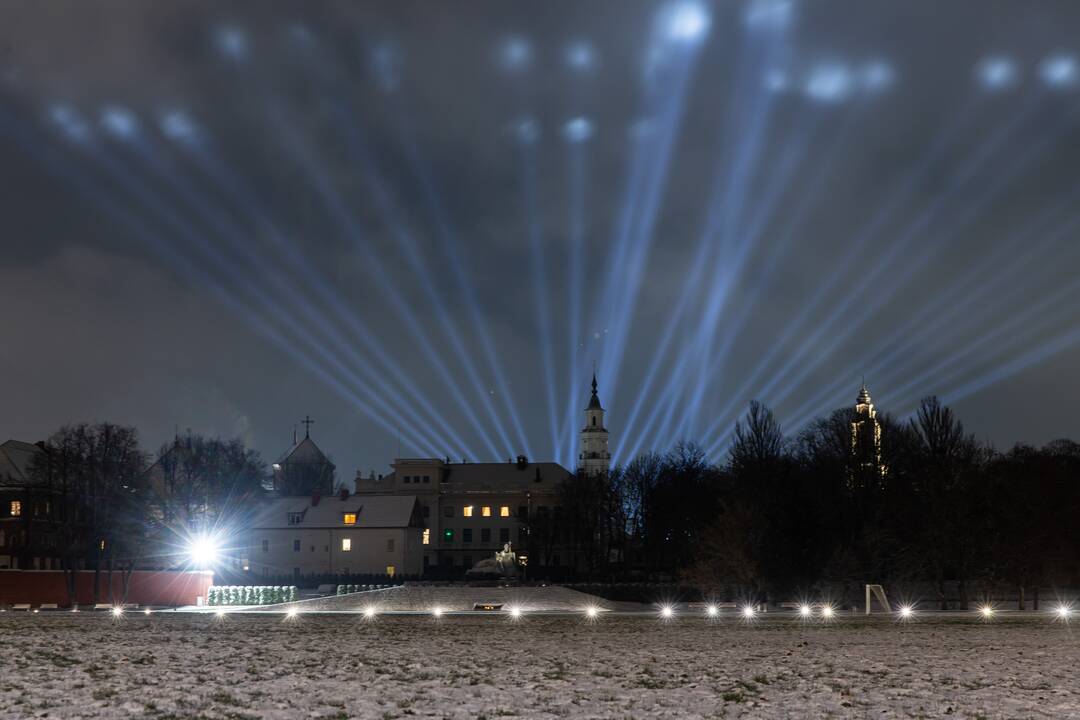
pixel 667 612
pixel 369 613
pixel 748 612
pixel 220 612
pixel 290 613
pixel 117 611
pixel 437 611
pixel 827 612
pixel 591 612
pixel 805 610
pixel 1063 612
pixel 515 613
pixel 712 611
pixel 906 612
pixel 146 611
pixel 986 611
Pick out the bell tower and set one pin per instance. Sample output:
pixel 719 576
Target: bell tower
pixel 595 459
pixel 866 436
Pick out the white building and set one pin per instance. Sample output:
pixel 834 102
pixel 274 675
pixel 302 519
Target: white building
pixel 337 535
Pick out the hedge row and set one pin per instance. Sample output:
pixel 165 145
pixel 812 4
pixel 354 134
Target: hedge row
pixel 346 589
pixel 250 594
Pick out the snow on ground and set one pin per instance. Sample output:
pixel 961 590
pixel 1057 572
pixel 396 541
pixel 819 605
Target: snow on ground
pixel 173 665
pixel 456 598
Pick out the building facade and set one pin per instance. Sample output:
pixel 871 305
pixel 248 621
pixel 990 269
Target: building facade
pixel 866 437
pixel 28 511
pixel 338 535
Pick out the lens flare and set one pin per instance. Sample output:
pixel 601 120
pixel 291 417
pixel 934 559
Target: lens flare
pixel 997 72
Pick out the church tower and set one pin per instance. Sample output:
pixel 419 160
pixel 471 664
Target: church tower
pixel 866 436
pixel 594 458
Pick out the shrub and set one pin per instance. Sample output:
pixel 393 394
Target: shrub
pixel 250 594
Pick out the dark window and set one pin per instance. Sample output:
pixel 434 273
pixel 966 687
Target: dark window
pixel 390 545
pixel 427 478
pixel 523 512
pixel 448 511
pixel 266 546
pixel 427 561
pixel 295 518
pixel 296 545
pixel 466 535
pixel 406 479
pixel 555 560
pixel 542 511
pixel 522 532
pixel 485 535
pixel 504 535
pixel 594 421
pixel 425 510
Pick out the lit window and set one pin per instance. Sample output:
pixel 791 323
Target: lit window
pixel 426 538
pixel 101 545
pixel 504 511
pixel 16 508
pixel 350 518
pixel 467 511
pixel 346 544
pixel 485 511
pixel 391 570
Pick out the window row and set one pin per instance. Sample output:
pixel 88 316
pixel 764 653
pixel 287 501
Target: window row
pixel 416 479
pixel 483 510
pixel 485 535
pixel 346 545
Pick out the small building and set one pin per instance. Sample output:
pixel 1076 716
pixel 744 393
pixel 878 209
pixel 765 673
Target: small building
pixel 337 535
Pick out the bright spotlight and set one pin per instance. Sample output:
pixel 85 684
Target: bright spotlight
pixel 829 82
pixel 906 612
pixel 591 612
pixel 515 54
pixel 515 613
pixel 117 611
pixel 369 613
pixel 119 122
pixel 176 125
pixel 220 612
pixel 203 552
pixel 769 14
pixel 579 129
pixel 526 130
pixel 827 612
pixel 291 613
pixel 667 612
pixel 805 610
pixel 997 72
pixel 712 611
pixel 580 56
pixel 1059 71
pixel 875 76
pixel 687 21
pixel 748 612
pixel 146 611
pixel 69 122
pixel 232 42
pixel 986 611
pixel 437 611
pixel 1063 612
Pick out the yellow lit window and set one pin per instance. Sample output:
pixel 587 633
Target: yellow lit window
pixel 346 544
pixel 16 508
pixel 467 511
pixel 504 511
pixel 486 511
pixel 350 518
pixel 101 545
pixel 390 570
pixel 427 536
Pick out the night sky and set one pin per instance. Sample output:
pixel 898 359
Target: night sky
pixel 423 223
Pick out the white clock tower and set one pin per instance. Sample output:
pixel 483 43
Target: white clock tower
pixel 594 458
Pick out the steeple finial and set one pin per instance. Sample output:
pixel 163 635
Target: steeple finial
pixel 308 422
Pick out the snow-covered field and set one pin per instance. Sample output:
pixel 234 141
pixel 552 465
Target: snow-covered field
pixel 173 665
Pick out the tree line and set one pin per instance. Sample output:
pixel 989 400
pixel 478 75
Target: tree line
pixel 99 504
pixel 784 517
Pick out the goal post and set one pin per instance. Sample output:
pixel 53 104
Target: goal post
pixel 877 592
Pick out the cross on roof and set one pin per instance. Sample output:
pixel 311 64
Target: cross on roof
pixel 308 422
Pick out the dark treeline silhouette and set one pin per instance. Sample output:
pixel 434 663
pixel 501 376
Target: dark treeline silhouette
pixel 785 517
pixel 103 510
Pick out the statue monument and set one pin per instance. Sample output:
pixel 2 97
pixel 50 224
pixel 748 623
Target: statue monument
pixel 503 566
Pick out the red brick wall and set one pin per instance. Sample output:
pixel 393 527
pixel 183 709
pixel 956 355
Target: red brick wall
pixel 147 587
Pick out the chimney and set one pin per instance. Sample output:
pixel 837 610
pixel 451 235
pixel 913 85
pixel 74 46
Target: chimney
pixel 343 493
